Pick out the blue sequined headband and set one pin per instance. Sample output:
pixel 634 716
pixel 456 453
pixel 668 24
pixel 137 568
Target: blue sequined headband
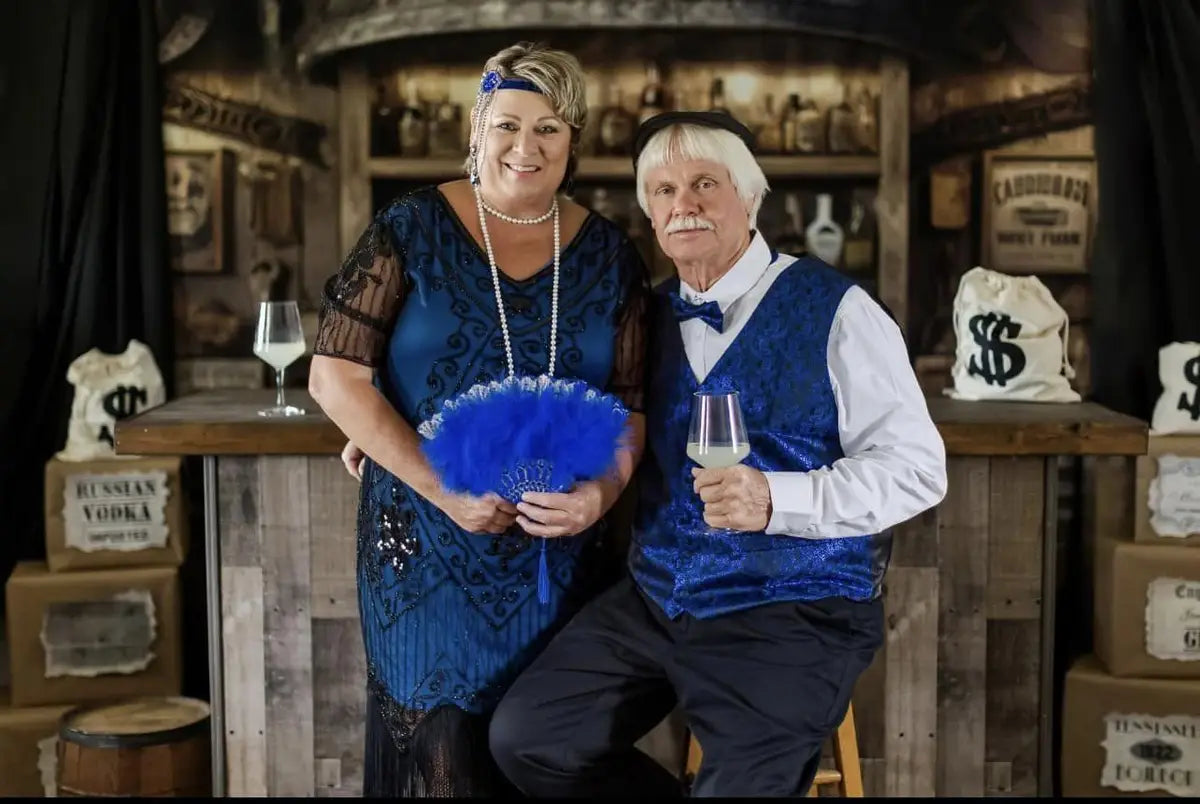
pixel 492 81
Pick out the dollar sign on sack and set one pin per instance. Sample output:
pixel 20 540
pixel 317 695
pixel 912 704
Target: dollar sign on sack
pixel 119 403
pixel 999 360
pixel 1191 373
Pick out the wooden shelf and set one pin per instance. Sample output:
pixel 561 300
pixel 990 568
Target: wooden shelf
pixel 617 168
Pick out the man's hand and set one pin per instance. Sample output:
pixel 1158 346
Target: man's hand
pixel 555 515
pixel 736 497
pixel 489 513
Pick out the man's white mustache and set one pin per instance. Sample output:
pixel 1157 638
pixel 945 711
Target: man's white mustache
pixel 687 224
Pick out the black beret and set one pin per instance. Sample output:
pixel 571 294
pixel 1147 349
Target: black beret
pixel 657 123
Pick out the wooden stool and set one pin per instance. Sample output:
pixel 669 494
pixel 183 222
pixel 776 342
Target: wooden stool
pixel 847 776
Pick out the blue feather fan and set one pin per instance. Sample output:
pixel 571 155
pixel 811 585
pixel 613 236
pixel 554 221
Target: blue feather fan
pixel 523 434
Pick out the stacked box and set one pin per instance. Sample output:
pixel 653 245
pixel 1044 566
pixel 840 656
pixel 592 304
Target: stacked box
pixel 89 636
pixel 1131 711
pixel 1129 736
pixel 27 748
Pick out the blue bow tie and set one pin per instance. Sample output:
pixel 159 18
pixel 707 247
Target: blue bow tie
pixel 709 312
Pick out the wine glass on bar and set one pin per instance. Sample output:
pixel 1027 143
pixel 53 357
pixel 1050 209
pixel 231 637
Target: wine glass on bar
pixel 278 342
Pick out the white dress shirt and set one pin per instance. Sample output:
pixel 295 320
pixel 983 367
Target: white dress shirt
pixel 895 461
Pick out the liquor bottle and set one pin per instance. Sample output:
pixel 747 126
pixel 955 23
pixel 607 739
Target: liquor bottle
pixel 445 128
pixel 866 121
pixel 841 127
pixel 617 125
pixel 767 133
pixel 810 128
pixel 789 124
pixel 654 97
pixel 384 134
pixel 414 133
pixel 791 239
pixel 859 249
pixel 716 96
pixel 824 236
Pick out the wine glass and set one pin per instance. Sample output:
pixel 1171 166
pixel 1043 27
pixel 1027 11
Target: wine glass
pixel 278 341
pixel 717 433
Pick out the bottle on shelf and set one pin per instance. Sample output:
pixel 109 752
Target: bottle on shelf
pixel 858 253
pixel 654 97
pixel 414 132
pixel 842 138
pixel 767 133
pixel 824 237
pixel 616 129
pixel 791 239
pixel 445 128
pixel 716 96
pixel 866 121
pixel 384 134
pixel 810 128
pixel 789 123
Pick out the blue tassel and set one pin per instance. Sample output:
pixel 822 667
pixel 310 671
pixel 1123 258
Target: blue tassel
pixel 543 577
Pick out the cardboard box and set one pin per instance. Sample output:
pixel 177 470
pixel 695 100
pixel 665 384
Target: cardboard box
pixel 1146 609
pixel 1170 470
pixel 28 764
pixel 86 636
pixel 118 512
pixel 1129 736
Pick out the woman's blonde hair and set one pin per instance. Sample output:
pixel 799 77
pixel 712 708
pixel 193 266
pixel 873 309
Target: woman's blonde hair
pixel 556 73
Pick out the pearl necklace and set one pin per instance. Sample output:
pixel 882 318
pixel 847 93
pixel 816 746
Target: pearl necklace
pixel 480 205
pixel 510 219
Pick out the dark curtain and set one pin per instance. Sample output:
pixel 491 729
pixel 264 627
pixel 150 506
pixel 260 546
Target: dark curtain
pixel 1145 272
pixel 83 237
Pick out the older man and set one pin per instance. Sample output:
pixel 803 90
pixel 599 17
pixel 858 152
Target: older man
pixel 753 598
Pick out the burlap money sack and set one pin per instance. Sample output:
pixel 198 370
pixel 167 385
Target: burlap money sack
pixel 1011 340
pixel 1178 407
pixel 108 387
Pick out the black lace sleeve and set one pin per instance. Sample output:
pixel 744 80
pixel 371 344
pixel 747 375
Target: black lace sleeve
pixel 628 381
pixel 361 300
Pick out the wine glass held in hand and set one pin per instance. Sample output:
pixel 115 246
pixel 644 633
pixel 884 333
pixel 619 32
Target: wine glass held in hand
pixel 717 433
pixel 278 341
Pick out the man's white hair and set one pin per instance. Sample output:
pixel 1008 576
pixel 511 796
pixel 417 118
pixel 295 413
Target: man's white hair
pixel 684 142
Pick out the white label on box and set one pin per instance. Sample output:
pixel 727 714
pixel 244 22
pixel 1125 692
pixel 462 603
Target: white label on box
pixel 1146 752
pixel 119 511
pixel 48 765
pixel 88 638
pixel 1173 619
pixel 1174 498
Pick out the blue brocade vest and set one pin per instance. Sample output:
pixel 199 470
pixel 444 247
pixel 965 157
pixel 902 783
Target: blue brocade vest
pixel 778 364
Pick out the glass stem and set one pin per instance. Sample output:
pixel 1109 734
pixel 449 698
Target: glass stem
pixel 279 388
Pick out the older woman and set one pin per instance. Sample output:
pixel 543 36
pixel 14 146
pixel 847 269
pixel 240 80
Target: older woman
pixel 447 287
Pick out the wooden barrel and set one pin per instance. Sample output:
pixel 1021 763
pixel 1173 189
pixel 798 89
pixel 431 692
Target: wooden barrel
pixel 155 746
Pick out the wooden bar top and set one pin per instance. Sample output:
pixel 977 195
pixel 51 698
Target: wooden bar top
pixel 226 423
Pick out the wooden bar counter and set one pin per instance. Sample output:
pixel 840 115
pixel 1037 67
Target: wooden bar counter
pixel 959 702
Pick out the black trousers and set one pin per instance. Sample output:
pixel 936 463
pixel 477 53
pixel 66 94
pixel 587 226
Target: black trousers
pixel 762 689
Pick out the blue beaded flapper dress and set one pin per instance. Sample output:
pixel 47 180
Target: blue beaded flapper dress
pixel 448 617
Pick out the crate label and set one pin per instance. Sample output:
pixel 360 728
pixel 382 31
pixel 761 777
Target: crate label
pixel 120 511
pixel 1174 497
pixel 88 638
pixel 1173 619
pixel 1146 753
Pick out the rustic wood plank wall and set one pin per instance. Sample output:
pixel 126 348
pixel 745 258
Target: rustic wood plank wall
pixel 951 704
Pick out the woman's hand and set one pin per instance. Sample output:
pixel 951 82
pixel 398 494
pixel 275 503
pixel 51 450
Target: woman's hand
pixel 490 513
pixel 555 515
pixel 352 458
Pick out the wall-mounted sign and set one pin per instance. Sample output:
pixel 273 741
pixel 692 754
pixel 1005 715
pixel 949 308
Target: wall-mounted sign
pixel 1038 212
